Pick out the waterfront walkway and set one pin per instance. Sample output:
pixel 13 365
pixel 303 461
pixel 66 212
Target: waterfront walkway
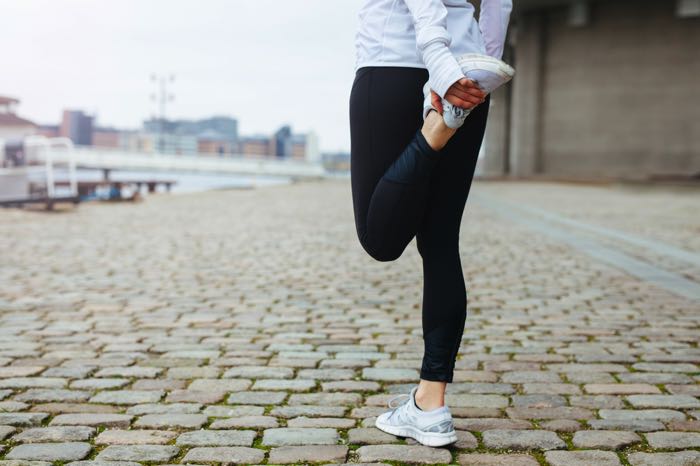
pixel 250 327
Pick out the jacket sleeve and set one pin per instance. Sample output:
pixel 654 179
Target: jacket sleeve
pixel 493 23
pixel 432 41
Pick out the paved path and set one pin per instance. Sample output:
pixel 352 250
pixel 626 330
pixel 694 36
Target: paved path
pixel 249 327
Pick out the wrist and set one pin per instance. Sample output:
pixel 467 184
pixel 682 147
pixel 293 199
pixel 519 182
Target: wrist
pixel 442 66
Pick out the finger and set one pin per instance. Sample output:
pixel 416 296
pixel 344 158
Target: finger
pixel 457 102
pixel 478 93
pixel 474 93
pixel 467 85
pixel 466 82
pixel 436 101
pixel 471 100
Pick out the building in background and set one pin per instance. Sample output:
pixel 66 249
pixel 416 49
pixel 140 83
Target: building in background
pixel 311 151
pixel 603 89
pixel 113 138
pixel 107 137
pixel 77 126
pixel 49 131
pixel 282 144
pixel 218 133
pixel 13 129
pixel 257 145
pixel 215 143
pixel 336 161
pixel 179 144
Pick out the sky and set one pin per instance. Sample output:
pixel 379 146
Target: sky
pixel 264 62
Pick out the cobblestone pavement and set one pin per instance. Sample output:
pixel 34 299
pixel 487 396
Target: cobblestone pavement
pixel 249 327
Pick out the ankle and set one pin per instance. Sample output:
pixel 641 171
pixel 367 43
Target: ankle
pixel 429 404
pixel 429 398
pixel 435 131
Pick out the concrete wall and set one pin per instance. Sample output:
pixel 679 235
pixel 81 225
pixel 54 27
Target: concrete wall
pixel 495 146
pixel 622 95
pixel 616 97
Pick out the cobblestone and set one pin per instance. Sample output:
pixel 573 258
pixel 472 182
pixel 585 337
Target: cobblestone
pixel 337 423
pixel 481 424
pixel 605 440
pixel 299 436
pixel 6 431
pixel 307 410
pixel 242 438
pixel 134 437
pixel 404 453
pixel 560 425
pixel 137 453
pixel 55 434
pixel 92 419
pixel 634 425
pixel 262 398
pixel 226 455
pixel 664 401
pixel 673 440
pixel 22 419
pixel 477 459
pixel 370 436
pixel 245 421
pixel 249 326
pixel 681 458
pixel 50 451
pixel 127 397
pixel 582 458
pixel 663 415
pixel 156 421
pixel 314 454
pixel 522 440
pixel 167 408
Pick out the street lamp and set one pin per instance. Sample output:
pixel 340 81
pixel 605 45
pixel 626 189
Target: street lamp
pixel 161 96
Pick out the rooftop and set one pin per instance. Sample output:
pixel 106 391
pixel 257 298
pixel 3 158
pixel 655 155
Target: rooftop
pixel 4 100
pixel 10 119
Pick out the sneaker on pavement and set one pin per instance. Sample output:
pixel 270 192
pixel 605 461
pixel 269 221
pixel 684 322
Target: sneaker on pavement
pixel 487 72
pixel 433 428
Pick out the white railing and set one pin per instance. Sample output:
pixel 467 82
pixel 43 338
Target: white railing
pixel 40 148
pixel 35 180
pixel 113 159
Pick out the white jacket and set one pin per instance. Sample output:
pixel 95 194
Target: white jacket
pixel 429 34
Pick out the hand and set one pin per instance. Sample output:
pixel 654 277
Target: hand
pixel 464 93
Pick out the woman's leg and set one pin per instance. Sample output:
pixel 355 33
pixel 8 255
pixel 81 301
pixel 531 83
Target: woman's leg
pixel 391 156
pixel 444 293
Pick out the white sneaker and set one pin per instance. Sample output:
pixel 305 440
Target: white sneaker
pixel 487 72
pixel 433 428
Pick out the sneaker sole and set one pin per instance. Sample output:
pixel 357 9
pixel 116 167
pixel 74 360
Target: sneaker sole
pixel 430 439
pixel 501 67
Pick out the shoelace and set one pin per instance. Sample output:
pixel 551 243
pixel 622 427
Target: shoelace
pixel 396 408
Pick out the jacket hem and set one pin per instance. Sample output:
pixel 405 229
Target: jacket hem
pixel 404 64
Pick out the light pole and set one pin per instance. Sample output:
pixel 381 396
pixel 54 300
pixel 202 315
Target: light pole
pixel 161 96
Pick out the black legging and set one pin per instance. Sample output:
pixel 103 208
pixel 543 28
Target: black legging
pixel 401 188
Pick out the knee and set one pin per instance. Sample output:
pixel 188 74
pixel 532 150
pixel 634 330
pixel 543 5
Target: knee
pixel 384 256
pixel 381 254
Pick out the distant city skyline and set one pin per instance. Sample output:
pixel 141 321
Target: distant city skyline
pixel 263 62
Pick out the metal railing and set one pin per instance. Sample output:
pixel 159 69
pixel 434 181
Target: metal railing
pixel 34 178
pixel 116 159
pixel 43 149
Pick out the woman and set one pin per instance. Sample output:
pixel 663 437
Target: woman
pixel 418 109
